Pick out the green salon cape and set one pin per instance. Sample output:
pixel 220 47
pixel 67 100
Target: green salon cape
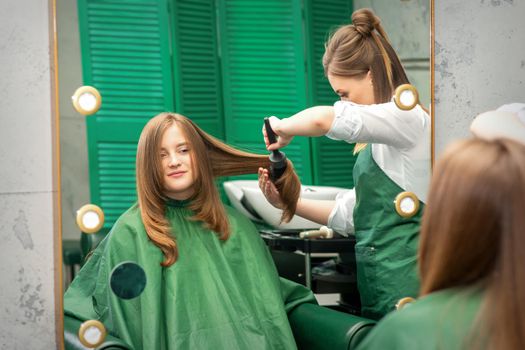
pixel 218 295
pixel 441 320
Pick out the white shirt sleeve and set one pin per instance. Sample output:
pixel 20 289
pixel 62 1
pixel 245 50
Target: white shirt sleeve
pixel 341 218
pixel 379 123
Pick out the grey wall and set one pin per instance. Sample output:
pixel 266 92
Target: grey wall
pixel 479 62
pixel 73 144
pixel 28 220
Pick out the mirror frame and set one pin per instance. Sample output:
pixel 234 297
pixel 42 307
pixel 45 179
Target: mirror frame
pixel 57 240
pixel 58 263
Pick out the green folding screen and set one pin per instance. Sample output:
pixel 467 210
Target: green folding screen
pixel 332 162
pixel 126 56
pixel 226 64
pixel 263 65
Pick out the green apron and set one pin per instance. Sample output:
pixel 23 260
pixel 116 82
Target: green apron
pixel 386 243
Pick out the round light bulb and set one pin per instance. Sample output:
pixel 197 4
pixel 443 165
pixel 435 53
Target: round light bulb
pixel 406 97
pixel 90 219
pixel 92 333
pixel 407 205
pixel 87 101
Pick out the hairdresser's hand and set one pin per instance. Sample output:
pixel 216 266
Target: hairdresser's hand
pixel 269 190
pixel 282 138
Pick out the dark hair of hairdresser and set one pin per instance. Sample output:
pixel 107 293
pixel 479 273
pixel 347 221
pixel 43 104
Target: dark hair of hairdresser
pixel 473 232
pixel 211 158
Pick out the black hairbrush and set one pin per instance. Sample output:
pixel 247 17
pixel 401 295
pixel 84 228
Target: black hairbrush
pixel 277 158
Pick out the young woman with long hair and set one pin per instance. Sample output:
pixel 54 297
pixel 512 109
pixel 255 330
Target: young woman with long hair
pixel 471 256
pixel 211 282
pixel 393 148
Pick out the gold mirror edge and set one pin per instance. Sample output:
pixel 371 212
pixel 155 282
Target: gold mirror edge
pixel 432 84
pixel 57 197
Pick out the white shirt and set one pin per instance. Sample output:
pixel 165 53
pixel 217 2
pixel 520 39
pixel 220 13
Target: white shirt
pixel 400 142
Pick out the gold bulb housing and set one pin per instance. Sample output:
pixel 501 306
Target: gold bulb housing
pixel 90 218
pixel 406 97
pixel 92 333
pixel 86 100
pixel 407 204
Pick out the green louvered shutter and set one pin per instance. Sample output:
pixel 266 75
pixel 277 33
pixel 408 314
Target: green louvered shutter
pixel 126 56
pixel 263 69
pixel 198 90
pixel 332 161
pixel 197 74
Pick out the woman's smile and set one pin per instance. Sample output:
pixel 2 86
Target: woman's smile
pixel 177 173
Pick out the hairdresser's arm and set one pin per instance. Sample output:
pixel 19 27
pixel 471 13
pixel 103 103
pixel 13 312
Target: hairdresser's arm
pixel 310 209
pixel 315 209
pixel 314 121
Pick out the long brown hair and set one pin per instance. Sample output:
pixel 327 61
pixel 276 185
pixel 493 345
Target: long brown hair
pixel 473 232
pixel 210 158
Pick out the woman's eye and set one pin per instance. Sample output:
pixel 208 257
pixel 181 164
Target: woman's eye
pixel 184 150
pixel 163 155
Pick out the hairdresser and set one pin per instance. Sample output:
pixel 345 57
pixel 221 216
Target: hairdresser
pixel 393 149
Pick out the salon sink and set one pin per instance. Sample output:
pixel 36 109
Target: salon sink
pixel 246 196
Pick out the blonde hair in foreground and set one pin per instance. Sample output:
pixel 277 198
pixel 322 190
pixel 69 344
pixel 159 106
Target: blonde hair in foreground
pixel 211 158
pixel 473 232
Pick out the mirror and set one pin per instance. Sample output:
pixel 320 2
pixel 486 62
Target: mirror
pixel 406 21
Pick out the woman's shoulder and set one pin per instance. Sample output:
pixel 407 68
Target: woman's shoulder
pixel 128 224
pixel 435 320
pixel 131 217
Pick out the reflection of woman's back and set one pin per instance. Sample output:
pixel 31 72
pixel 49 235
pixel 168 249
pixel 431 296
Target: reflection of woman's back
pixel 217 286
pixel 471 259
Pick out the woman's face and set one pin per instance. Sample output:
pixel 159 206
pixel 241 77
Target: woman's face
pixel 356 90
pixel 175 154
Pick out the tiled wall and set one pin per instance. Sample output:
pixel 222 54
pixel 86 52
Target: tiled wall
pixel 27 191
